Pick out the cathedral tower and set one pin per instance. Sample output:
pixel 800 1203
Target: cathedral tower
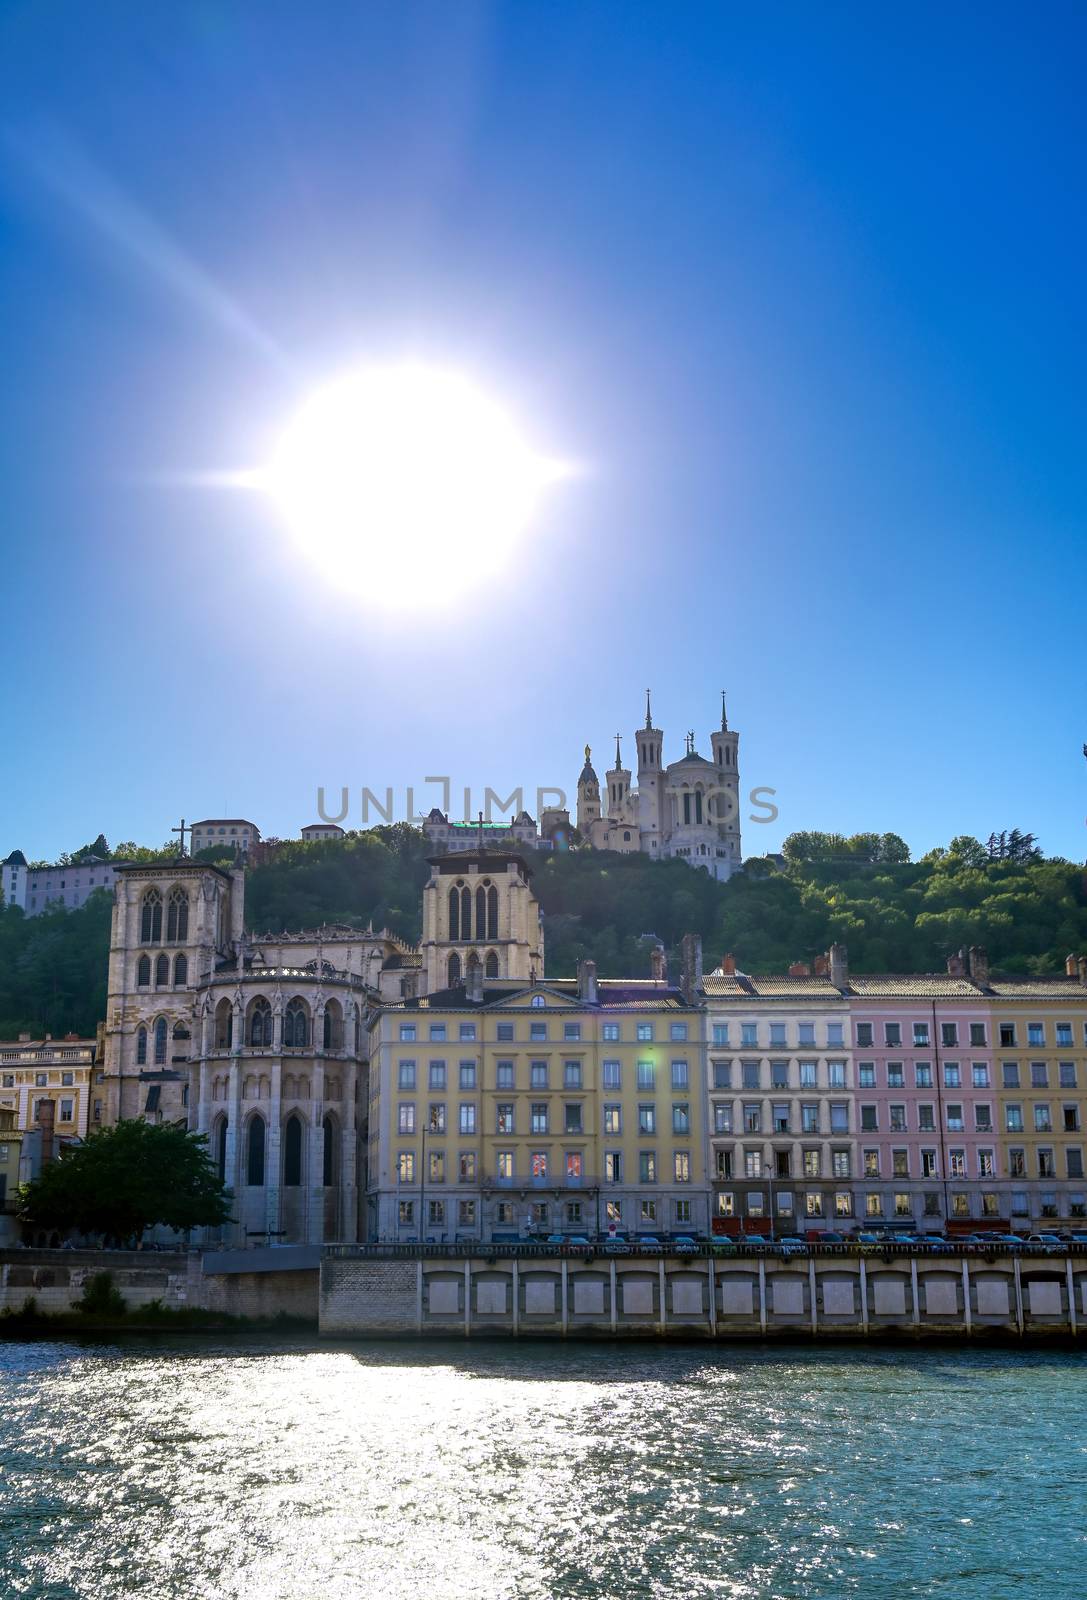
pixel 725 809
pixel 618 784
pixel 172 922
pixel 480 920
pixel 650 742
pixel 588 796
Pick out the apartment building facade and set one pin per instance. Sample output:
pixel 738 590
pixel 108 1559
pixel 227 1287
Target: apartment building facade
pixel 524 1110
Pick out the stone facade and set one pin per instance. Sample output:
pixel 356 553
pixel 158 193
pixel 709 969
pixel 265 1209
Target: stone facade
pixel 258 1043
pixel 827 1296
pixel 480 918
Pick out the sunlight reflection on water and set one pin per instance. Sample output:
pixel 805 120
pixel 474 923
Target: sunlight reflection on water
pixel 181 1469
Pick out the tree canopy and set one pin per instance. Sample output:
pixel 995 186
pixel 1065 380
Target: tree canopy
pixel 126 1179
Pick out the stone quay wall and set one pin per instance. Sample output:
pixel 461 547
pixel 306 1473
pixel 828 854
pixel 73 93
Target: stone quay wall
pixel 56 1280
pixel 832 1297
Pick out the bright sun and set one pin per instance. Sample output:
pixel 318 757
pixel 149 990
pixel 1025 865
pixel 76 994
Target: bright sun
pixel 406 482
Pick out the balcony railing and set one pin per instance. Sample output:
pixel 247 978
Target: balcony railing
pixel 525 1184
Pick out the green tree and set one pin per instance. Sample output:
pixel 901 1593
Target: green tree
pixel 125 1179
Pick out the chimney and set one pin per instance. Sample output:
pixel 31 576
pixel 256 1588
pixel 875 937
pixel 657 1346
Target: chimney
pixel 800 969
pixel 46 1117
pixel 1071 967
pixel 586 982
pixel 1081 962
pixel 839 966
pixel 474 986
pixel 728 965
pixel 822 967
pixel 956 965
pixel 979 965
pixel 691 958
pixel 24 1038
pixel 658 964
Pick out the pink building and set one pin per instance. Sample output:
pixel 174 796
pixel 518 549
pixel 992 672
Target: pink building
pixel 928 1152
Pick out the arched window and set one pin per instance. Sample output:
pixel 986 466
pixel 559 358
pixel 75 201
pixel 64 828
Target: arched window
pixel 295 1026
pixel 466 913
pixel 224 1025
pixel 220 1148
pixel 328 1128
pixel 143 972
pixel 492 912
pixel 260 1024
pixel 698 805
pixel 454 969
pixel 473 963
pixel 151 918
pixel 481 912
pixel 162 971
pixel 160 1042
pixel 141 1047
pixel 490 966
pixel 333 1026
pixel 181 971
pixel 292 1153
pixel 254 1153
pixel 177 917
pixel 454 913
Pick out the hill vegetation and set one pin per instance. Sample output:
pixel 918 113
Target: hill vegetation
pixel 893 913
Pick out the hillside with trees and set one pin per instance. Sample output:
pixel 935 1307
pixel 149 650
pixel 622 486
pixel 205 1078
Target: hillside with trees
pixel 894 914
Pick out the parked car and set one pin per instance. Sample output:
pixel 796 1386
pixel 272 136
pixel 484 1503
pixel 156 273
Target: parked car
pixel 756 1241
pixel 1006 1241
pixel 793 1244
pixel 935 1241
pixel 833 1238
pixel 555 1238
pixel 869 1241
pixel 684 1245
pixel 615 1246
pixel 649 1244
pixel 722 1244
pixel 1077 1238
pixel 578 1241
pixel 1044 1241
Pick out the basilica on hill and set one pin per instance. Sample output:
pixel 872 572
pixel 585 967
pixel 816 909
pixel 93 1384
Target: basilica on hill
pixel 689 809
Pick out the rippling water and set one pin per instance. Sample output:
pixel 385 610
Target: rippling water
pixel 199 1469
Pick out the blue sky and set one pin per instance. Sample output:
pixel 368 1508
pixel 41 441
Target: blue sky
pixel 803 286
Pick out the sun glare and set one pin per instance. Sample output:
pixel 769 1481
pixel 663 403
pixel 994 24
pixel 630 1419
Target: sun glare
pixel 406 482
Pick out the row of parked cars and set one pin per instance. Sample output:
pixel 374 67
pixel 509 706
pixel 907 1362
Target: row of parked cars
pixel 792 1244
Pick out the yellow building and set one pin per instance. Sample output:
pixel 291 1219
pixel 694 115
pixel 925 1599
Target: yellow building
pixel 10 1146
pixel 60 1070
pixel 515 1106
pixel 1040 1045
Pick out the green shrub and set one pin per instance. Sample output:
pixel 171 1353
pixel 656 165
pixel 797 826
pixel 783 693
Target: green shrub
pixel 101 1298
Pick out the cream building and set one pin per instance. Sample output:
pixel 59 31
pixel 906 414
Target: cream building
pixel 59 1070
pixel 689 809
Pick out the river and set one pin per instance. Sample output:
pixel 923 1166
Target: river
pixel 190 1467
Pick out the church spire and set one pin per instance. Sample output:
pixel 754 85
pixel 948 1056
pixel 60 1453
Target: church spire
pixel 648 713
pixel 618 754
pixel 724 718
